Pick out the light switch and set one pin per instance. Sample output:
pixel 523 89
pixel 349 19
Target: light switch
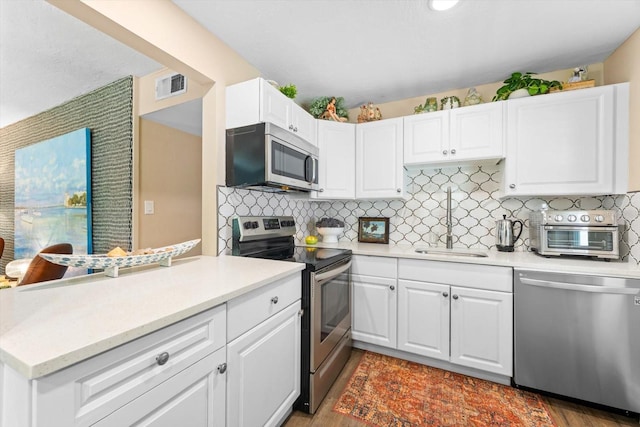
pixel 148 207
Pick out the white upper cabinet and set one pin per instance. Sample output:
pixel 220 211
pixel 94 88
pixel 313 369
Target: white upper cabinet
pixel 256 101
pixel 337 160
pixel 379 171
pixel 569 143
pixel 460 135
pixel 426 138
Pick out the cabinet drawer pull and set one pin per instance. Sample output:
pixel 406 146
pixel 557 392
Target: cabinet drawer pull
pixel 453 151
pixel 222 368
pixel 455 296
pixel 445 294
pixel 274 300
pixel 444 152
pixel 162 358
pixel 512 186
pixel 392 287
pixel 398 190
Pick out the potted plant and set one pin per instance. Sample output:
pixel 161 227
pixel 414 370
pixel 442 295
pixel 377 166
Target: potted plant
pixel 290 90
pixel 526 81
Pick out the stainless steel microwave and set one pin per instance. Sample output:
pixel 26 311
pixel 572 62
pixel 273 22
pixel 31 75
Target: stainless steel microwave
pixel 269 158
pixel 582 233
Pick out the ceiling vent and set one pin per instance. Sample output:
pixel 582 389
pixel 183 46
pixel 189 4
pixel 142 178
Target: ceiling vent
pixel 171 85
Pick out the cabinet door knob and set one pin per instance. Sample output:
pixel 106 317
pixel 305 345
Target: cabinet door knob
pixel 295 129
pixel 301 312
pixel 398 190
pixel 392 287
pixel 455 296
pixel 290 127
pixel 321 190
pixel 453 151
pixel 162 358
pixel 274 300
pixel 444 152
pixel 512 186
pixel 222 368
pixel 445 294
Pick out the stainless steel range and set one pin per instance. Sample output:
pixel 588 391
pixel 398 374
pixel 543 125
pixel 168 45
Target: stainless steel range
pixel 326 299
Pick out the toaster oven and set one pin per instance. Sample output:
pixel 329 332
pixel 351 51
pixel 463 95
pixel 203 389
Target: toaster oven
pixel 593 233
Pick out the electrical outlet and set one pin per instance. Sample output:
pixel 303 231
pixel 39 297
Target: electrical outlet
pixel 148 207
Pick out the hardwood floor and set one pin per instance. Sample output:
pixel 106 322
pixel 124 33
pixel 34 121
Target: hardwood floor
pixel 565 414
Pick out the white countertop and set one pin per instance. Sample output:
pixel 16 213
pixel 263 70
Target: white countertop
pixel 524 260
pixel 49 326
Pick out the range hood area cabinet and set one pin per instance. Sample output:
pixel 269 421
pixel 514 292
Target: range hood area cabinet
pixel 361 162
pixel 452 137
pixel 568 143
pixel 256 101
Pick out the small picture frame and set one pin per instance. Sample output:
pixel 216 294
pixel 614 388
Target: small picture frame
pixel 373 230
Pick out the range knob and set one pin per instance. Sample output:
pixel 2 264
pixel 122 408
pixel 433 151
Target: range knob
pixel 558 218
pixel 585 218
pixel 572 218
pixel 247 225
pixel 599 218
pixel 254 224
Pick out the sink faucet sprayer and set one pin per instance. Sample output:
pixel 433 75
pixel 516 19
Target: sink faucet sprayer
pixel 449 221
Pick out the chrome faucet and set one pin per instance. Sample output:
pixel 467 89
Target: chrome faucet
pixel 449 221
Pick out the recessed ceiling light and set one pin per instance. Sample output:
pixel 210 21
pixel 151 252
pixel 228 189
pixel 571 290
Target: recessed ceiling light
pixel 440 5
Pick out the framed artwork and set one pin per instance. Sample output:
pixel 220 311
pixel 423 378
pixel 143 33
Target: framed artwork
pixel 373 230
pixel 53 194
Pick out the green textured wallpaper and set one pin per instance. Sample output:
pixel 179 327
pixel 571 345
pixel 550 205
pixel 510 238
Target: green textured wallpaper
pixel 108 113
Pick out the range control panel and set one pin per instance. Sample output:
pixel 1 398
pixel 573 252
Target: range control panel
pixel 262 227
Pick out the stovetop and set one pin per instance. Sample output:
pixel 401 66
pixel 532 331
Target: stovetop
pixel 272 238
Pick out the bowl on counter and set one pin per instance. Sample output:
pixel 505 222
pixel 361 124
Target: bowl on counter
pixel 330 234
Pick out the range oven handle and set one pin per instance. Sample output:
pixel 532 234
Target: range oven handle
pixel 576 287
pixel 332 273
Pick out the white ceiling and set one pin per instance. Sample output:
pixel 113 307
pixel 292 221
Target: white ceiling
pixel 385 50
pixel 363 50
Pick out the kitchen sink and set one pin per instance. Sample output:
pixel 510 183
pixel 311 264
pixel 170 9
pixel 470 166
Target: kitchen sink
pixel 452 252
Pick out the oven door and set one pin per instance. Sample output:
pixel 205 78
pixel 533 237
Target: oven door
pixel 330 309
pixel 575 240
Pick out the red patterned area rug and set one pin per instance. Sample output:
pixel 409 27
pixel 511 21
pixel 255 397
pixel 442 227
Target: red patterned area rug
pixel 388 392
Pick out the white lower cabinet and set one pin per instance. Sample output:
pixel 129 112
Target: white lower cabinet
pixel 482 329
pixel 166 378
pixel 193 398
pixel 423 319
pixel 264 371
pixel 373 314
pixel 457 320
pixel 458 313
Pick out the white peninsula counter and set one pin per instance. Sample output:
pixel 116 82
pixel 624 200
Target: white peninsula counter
pixel 89 331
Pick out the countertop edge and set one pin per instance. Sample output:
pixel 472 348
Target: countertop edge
pixel 52 365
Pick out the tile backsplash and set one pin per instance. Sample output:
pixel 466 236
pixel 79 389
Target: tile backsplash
pixel 420 219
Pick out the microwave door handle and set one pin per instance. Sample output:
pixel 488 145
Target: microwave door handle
pixel 310 160
pixel 577 287
pixel 314 175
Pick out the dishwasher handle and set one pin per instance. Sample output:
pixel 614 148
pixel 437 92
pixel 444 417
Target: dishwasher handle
pixel 577 287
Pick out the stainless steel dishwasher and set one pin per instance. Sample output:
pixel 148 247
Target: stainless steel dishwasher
pixel 578 336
